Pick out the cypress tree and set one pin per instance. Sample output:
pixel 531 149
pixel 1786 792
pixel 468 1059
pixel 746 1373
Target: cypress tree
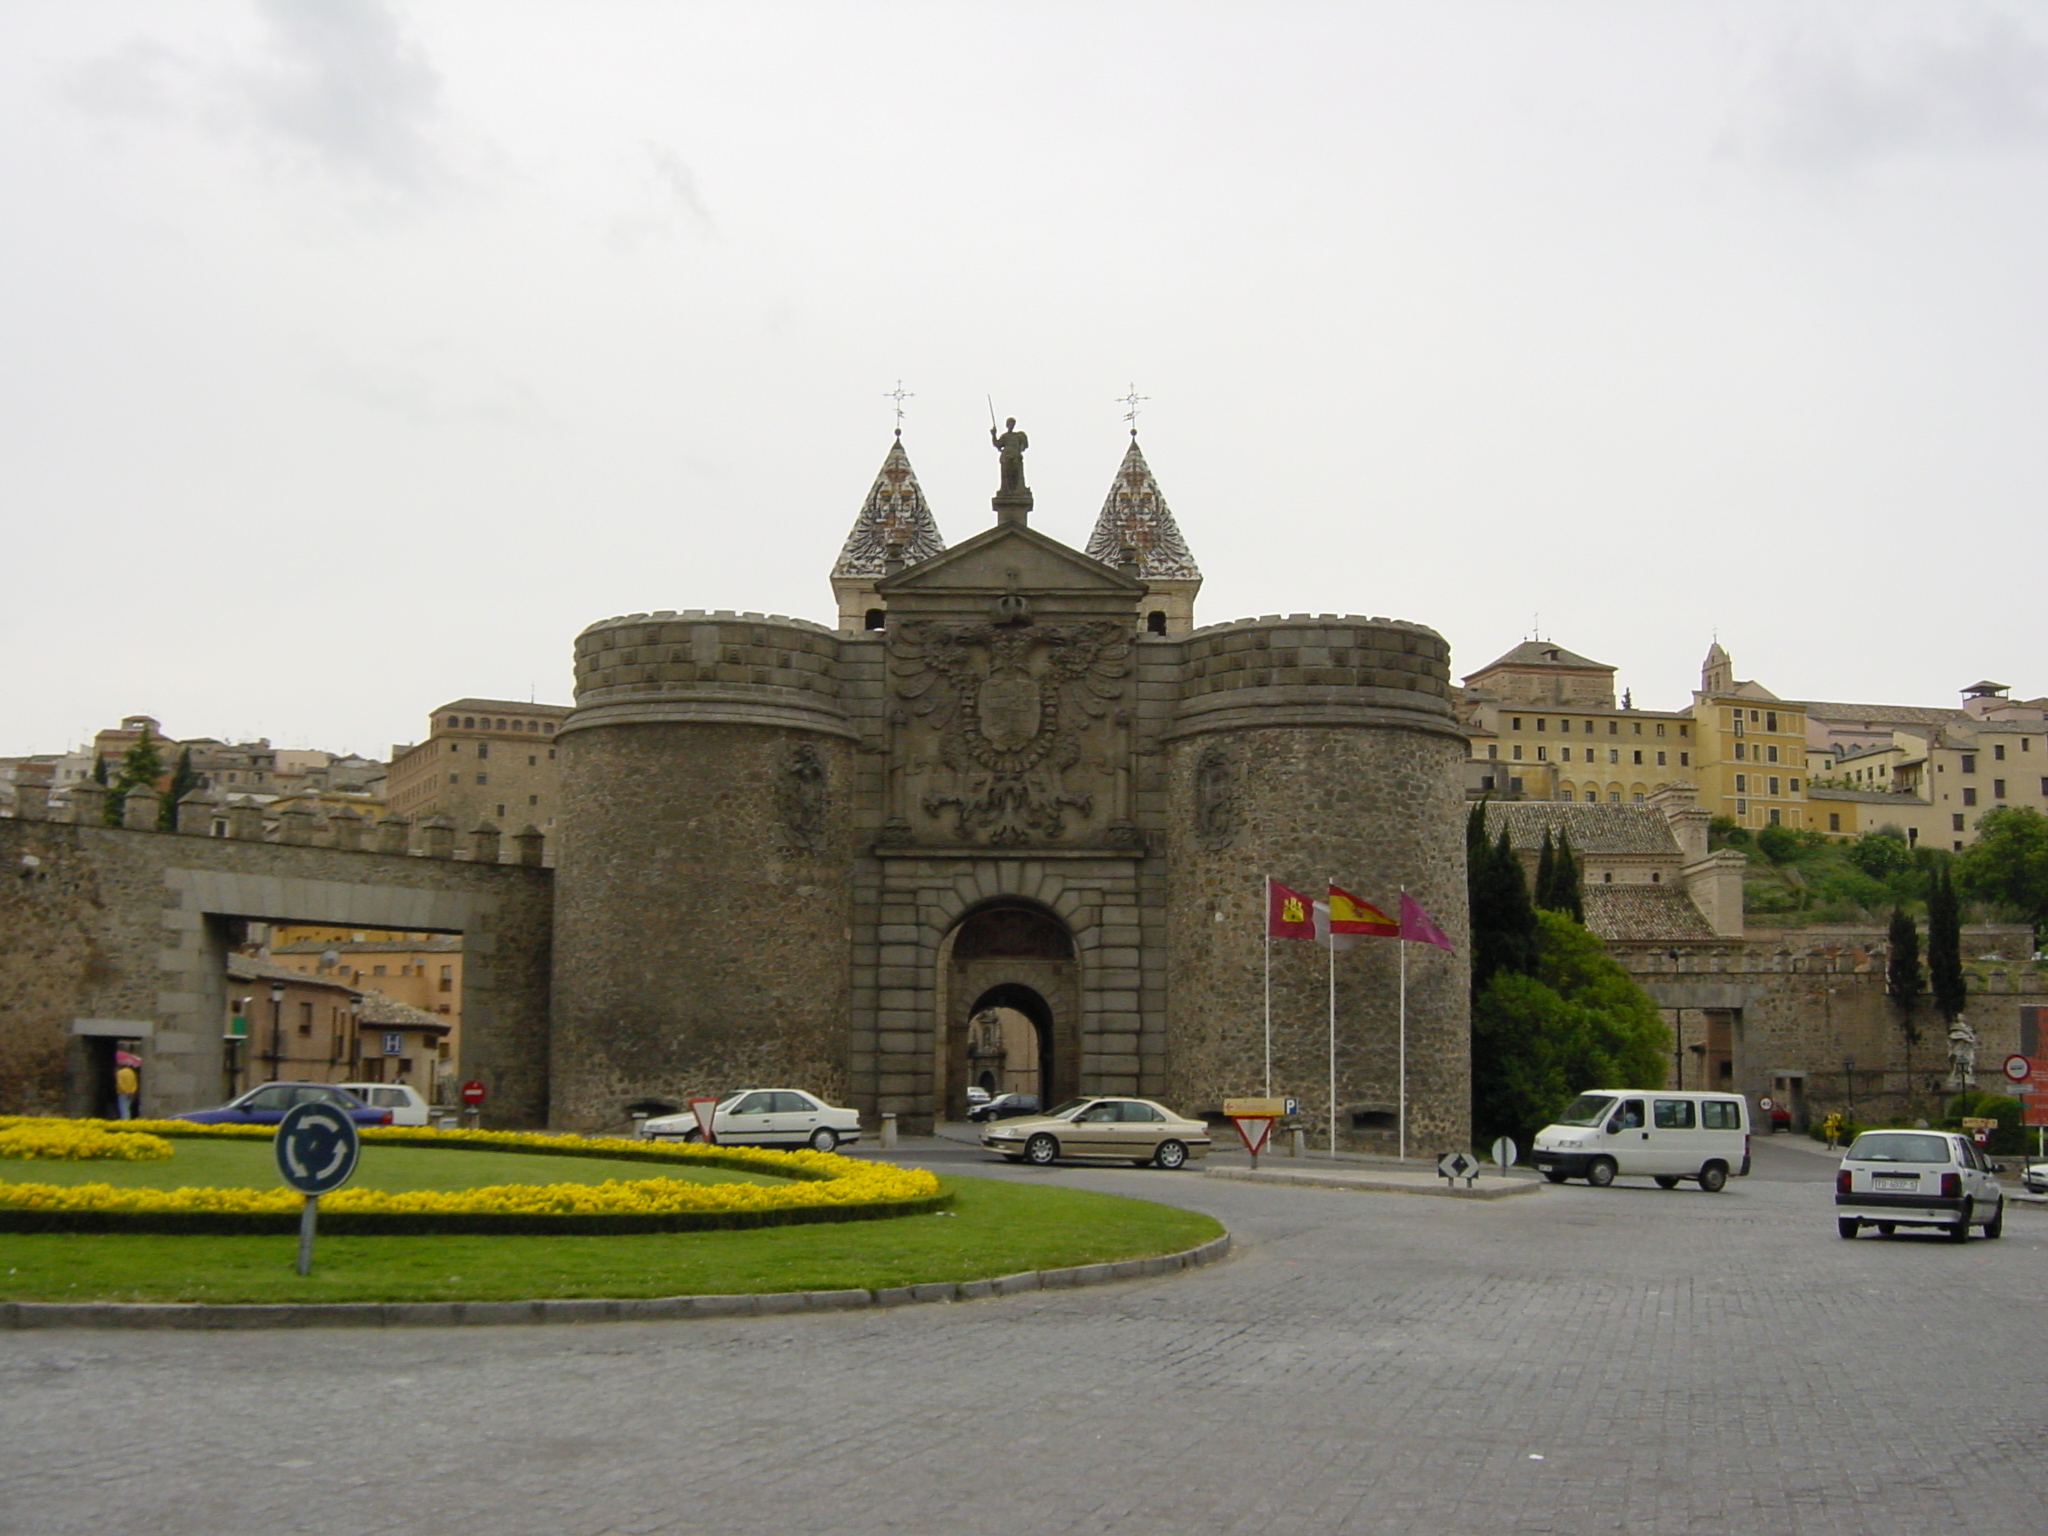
pixel 184 779
pixel 1945 977
pixel 1566 881
pixel 1902 979
pixel 1545 894
pixel 141 765
pixel 1503 917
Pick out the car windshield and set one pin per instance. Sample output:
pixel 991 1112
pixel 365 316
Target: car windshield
pixel 1898 1147
pixel 1587 1109
pixel 1064 1110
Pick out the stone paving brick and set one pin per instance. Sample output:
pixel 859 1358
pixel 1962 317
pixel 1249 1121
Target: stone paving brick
pixel 1682 1363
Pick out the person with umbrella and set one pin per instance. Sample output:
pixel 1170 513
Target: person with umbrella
pixel 126 1083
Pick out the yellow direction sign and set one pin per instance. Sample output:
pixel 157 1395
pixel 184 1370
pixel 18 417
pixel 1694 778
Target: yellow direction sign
pixel 1248 1108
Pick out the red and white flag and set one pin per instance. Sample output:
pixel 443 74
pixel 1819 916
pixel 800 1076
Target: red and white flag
pixel 1418 927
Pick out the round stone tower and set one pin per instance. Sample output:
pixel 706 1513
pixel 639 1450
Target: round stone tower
pixel 701 886
pixel 1318 750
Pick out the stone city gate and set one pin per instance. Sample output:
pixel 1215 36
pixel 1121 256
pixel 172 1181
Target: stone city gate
pixel 128 930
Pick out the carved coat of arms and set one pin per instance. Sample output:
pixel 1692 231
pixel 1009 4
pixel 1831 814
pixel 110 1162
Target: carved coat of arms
pixel 1009 704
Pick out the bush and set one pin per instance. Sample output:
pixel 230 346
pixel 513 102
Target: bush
pixel 2010 1139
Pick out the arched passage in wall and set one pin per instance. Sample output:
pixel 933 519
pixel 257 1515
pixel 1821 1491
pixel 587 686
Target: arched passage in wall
pixel 1008 960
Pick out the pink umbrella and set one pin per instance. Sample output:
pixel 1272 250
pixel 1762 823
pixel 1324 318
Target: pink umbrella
pixel 127 1059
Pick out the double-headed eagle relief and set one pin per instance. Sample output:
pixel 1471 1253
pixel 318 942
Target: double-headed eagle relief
pixel 1019 716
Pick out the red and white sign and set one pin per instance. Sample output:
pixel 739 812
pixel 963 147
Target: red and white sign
pixel 1253 1119
pixel 702 1109
pixel 472 1093
pixel 2018 1068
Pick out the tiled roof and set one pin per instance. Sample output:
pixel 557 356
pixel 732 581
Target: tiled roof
pixel 1644 912
pixel 1135 513
pixel 1541 653
pixel 1866 796
pixel 439 944
pixel 250 968
pixel 379 1009
pixel 510 706
pixel 1878 714
pixel 894 513
pixel 1603 830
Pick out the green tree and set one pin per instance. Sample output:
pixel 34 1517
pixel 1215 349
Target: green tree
pixel 184 779
pixel 1903 980
pixel 1568 888
pixel 1576 1021
pixel 1546 874
pixel 141 765
pixel 1503 918
pixel 1945 978
pixel 2008 863
pixel 1778 843
pixel 1881 854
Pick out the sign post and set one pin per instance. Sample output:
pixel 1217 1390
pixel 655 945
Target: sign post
pixel 316 1147
pixel 473 1102
pixel 707 1124
pixel 1253 1120
pixel 1453 1166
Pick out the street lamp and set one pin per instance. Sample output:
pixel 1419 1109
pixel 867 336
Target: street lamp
pixel 1849 1084
pixel 276 1026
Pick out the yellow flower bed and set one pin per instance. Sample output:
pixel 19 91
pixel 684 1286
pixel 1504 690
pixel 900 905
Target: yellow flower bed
pixel 78 1141
pixel 815 1179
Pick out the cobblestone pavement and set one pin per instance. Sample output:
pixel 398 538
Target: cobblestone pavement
pixel 1578 1361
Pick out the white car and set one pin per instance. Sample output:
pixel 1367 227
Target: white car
pixel 1892 1179
pixel 404 1101
pixel 764 1117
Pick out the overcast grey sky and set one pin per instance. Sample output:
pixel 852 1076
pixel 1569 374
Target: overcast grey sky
pixel 356 355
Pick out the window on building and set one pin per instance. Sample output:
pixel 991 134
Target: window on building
pixel 1607 877
pixel 447 978
pixel 1969 762
pixel 483 749
pixel 1638 725
pixel 1516 750
pixel 1834 821
pixel 454 778
pixel 533 799
pixel 1741 754
pixel 454 722
pixel 1957 845
pixel 1741 782
pixel 1770 720
pixel 532 761
pixel 1998 789
pixel 376 970
pixel 1637 756
pixel 1660 730
pixel 551 750
pixel 1795 786
pixel 1542 725
pixel 1518 722
pixel 1774 783
pixel 1955 822
pixel 469 722
pixel 1685 759
pixel 1614 727
pixel 1998 751
pixel 1684 732
pixel 1543 754
pixel 1613 755
pixel 1660 759
pixel 305 1018
pixel 483 778
pixel 551 729
pixel 1752 717
pixel 1589 727
pixel 1770 754
pixel 1514 786
pixel 1969 797
pixel 1774 816
pixel 1567 754
pixel 1742 807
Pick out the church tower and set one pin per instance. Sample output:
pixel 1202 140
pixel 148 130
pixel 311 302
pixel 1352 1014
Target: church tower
pixel 895 529
pixel 1136 533
pixel 1717 672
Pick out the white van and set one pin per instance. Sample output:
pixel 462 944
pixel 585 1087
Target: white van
pixel 1651 1133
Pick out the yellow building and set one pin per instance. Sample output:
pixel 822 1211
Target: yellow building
pixel 1751 748
pixel 483 760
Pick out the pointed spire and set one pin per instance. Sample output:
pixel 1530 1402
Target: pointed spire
pixel 895 514
pixel 1136 516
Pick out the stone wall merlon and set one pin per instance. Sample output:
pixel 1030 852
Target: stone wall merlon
pixel 703 615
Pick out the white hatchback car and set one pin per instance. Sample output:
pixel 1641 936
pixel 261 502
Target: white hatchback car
pixel 764 1117
pixel 1893 1179
pixel 404 1101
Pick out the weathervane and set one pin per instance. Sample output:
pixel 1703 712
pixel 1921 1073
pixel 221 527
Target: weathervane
pixel 1130 404
pixel 899 394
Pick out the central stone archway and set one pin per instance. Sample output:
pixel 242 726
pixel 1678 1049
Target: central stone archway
pixel 1009 966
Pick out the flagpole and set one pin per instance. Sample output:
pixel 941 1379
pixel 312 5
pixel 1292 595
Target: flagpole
pixel 1266 899
pixel 1402 940
pixel 1333 1024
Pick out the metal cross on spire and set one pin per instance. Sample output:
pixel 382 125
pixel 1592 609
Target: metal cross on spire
pixel 899 394
pixel 1130 403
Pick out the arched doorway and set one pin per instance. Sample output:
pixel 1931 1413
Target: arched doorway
pixel 1010 1000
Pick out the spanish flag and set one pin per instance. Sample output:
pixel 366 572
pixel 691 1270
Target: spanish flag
pixel 1287 913
pixel 1350 915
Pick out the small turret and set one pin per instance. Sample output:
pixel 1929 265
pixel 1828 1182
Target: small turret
pixel 1137 526
pixel 895 529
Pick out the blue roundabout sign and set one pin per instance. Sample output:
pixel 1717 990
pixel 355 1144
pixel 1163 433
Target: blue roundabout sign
pixel 316 1147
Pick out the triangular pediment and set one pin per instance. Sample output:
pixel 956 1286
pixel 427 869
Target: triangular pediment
pixel 1009 557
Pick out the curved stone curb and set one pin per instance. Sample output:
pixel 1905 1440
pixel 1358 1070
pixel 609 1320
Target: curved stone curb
pixel 445 1314
pixel 1394 1184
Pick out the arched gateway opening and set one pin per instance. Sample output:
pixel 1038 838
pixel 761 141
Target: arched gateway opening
pixel 1010 1005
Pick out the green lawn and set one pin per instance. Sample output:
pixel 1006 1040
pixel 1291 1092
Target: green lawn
pixel 248 1164
pixel 994 1228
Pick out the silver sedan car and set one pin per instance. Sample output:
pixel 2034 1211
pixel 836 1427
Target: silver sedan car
pixel 1133 1130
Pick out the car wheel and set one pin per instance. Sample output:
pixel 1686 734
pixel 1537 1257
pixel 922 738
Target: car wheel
pixel 1995 1227
pixel 1600 1172
pixel 1848 1226
pixel 1960 1232
pixel 1041 1150
pixel 1171 1154
pixel 1886 1228
pixel 693 1135
pixel 1667 1181
pixel 824 1139
pixel 1714 1178
pixel 1556 1176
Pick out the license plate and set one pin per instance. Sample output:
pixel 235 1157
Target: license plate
pixel 1898 1181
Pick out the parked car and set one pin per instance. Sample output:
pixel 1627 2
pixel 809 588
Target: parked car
pixel 266 1104
pixel 1893 1179
pixel 977 1095
pixel 1003 1106
pixel 764 1117
pixel 2035 1178
pixel 1134 1130
pixel 1665 1135
pixel 402 1099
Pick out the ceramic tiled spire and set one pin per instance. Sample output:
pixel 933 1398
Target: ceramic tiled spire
pixel 1136 516
pixel 895 528
pixel 894 513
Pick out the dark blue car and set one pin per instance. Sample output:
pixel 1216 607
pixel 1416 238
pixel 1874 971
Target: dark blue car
pixel 265 1105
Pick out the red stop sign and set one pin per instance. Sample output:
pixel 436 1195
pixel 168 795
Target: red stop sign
pixel 472 1092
